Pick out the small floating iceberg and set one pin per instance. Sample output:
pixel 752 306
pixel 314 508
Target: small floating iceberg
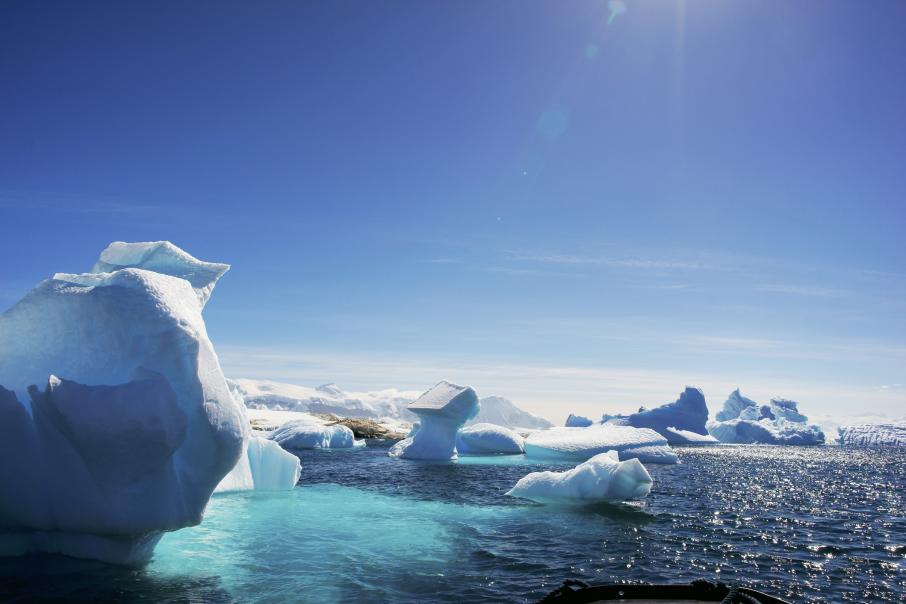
pixel 488 439
pixel 577 421
pixel 583 443
pixel 308 433
pixel 602 478
pixel 442 411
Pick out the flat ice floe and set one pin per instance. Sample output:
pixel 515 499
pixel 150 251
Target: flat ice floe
pixel 602 478
pixel 136 426
pixel 873 435
pixel 489 439
pixel 442 411
pixel 583 443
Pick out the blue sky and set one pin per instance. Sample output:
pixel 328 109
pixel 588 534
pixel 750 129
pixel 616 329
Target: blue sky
pixel 516 195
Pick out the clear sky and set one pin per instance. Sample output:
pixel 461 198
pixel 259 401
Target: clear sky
pixel 579 207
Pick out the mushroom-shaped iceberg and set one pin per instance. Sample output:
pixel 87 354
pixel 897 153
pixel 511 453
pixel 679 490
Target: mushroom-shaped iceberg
pixel 442 411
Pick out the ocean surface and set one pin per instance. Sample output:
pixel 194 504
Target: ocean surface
pixel 807 524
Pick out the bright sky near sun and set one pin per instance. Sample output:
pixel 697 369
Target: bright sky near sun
pixel 582 206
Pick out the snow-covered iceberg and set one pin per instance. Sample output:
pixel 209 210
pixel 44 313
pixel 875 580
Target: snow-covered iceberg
pixel 489 439
pixel 584 443
pixel 502 412
pixel 577 421
pixel 138 429
pixel 602 478
pixel 442 411
pixel 310 434
pixel 743 421
pixel 873 435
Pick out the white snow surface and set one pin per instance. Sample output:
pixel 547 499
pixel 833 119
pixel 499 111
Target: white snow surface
pixel 602 478
pixel 583 443
pixel 873 435
pixel 135 433
pixel 489 439
pixel 307 434
pixel 442 411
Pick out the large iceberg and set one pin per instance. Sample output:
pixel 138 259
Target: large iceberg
pixel 688 414
pixel 310 434
pixel 873 435
pixel 138 429
pixel 743 421
pixel 489 439
pixel 442 411
pixel 584 443
pixel 602 478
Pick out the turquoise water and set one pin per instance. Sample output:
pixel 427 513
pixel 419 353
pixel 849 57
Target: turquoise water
pixel 809 524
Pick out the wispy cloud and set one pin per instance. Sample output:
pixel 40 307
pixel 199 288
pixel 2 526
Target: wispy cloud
pixel 441 261
pixel 529 272
pixel 803 290
pixel 627 263
pixel 82 204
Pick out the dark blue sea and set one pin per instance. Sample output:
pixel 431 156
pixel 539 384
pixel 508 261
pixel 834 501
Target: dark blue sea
pixel 824 524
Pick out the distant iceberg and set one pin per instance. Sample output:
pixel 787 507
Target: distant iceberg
pixel 310 434
pixel 602 478
pixel 743 421
pixel 680 422
pixel 136 426
pixel 584 443
pixel 873 435
pixel 502 412
pixel 577 421
pixel 489 439
pixel 442 411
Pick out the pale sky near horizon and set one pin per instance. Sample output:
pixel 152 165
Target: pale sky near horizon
pixel 577 212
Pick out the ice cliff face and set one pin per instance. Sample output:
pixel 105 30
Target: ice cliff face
pixel 442 411
pixel 873 435
pixel 743 421
pixel 134 427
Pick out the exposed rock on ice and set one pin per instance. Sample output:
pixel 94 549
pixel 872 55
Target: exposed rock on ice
pixel 743 421
pixel 602 478
pixel 139 429
pixel 583 443
pixel 502 412
pixel 873 435
pixel 309 434
pixel 577 421
pixel 442 411
pixel 488 439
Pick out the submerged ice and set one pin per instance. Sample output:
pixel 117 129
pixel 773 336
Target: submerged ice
pixel 602 478
pixel 135 423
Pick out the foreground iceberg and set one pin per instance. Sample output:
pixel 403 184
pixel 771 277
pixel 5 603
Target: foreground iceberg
pixel 577 421
pixel 602 478
pixel 743 421
pixel 489 439
pixel 584 443
pixel 442 411
pixel 873 435
pixel 138 429
pixel 310 434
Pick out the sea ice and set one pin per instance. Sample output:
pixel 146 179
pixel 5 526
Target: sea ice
pixel 743 421
pixel 584 443
pixel 873 435
pixel 489 439
pixel 577 421
pixel 602 478
pixel 442 411
pixel 140 427
pixel 309 434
